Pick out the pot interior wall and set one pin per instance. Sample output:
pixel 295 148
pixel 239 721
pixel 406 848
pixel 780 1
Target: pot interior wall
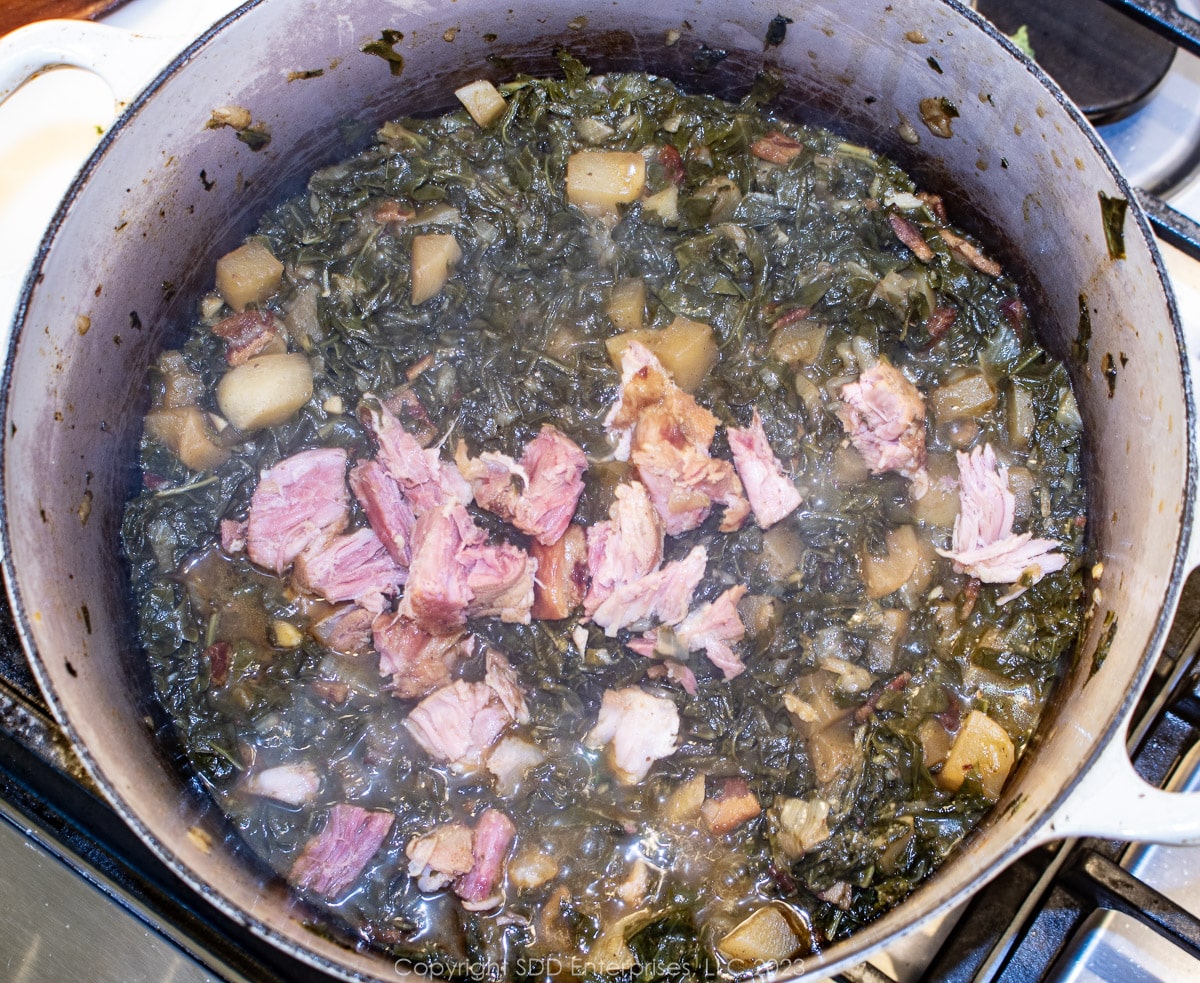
pixel 166 196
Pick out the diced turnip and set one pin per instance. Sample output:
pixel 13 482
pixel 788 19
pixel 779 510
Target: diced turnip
pixel 1021 416
pixel 600 180
pixel 265 391
pixel 887 573
pixel 767 936
pixel 626 308
pixel 185 430
pixel 483 101
pixel 966 398
pixel 687 349
pixel 664 204
pixel 178 385
pixel 799 343
pixel 248 275
pixel 983 748
pixel 433 256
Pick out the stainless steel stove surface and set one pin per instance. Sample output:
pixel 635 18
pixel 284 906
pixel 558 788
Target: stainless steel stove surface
pixel 81 898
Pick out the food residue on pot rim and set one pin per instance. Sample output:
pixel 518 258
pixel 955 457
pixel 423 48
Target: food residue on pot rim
pixel 1112 214
pixel 937 113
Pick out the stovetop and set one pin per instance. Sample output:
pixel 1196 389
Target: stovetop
pixel 82 898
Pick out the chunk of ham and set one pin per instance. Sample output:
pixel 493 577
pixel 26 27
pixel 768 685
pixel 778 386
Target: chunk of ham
pixel 249 334
pixel 666 434
pixel 471 860
pixel 292 784
pixel 457 724
pixel 713 627
pixel 562 575
pixel 637 728
pixel 425 479
pixel 418 662
pixel 479 888
pixel 233 536
pixel 626 547
pixel 984 544
pixel 664 595
pixel 387 510
pixel 550 476
pixel 334 858
pixel 354 567
pixel 300 500
pixel 346 630
pixel 772 494
pixel 456 574
pixel 884 415
pixel 675 672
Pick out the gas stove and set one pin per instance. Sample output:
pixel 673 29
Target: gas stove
pixel 81 897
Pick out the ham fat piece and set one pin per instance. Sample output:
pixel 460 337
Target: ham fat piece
pixel 984 544
pixel 333 859
pixel 885 418
pixel 637 728
pixel 772 494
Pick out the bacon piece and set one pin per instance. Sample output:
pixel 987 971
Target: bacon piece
pixel 550 475
pixel 292 784
pixel 772 494
pixel 355 567
pixel 777 148
pixel 334 858
pixel 911 236
pixel 249 334
pixel 940 321
pixel 387 510
pixel 664 595
pixel 425 479
pixel 885 417
pixel 300 500
pixel 562 575
pixel 672 164
pixel 346 630
pixel 984 544
pixel 1013 309
pixel 438 858
pixel 394 211
pixel 458 723
pixel 970 253
pixel 934 203
pixel 638 729
pixel 218 656
pixel 418 662
pixel 479 888
pixel 233 535
pixel 727 804
pixel 626 547
pixel 667 434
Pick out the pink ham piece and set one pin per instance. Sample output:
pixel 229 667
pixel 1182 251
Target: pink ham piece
pixel 667 435
pixel 293 784
pixel 387 510
pixel 455 574
pixel 418 662
pixel 675 672
pixel 346 630
pixel 334 858
pixel 885 418
pixel 637 728
pixel 773 495
pixel 425 479
pixel 480 887
pixel 233 536
pixel 664 595
pixel 711 627
pixel 299 501
pixel 355 567
pixel 550 476
pixel 626 547
pixel 984 544
pixel 458 723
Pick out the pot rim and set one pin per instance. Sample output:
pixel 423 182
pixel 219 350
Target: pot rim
pixel 873 937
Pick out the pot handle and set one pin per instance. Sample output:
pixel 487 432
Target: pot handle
pixel 124 60
pixel 1113 802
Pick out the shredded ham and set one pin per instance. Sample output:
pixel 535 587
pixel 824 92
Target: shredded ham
pixel 884 415
pixel 418 662
pixel 664 595
pixel 711 627
pixel 637 728
pixel 292 784
pixel 333 859
pixel 388 511
pixel 772 494
pixel 625 547
pixel 301 500
pixel 354 567
pixel 426 480
pixel 984 544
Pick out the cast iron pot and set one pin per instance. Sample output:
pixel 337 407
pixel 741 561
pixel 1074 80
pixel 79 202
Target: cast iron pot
pixel 163 196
